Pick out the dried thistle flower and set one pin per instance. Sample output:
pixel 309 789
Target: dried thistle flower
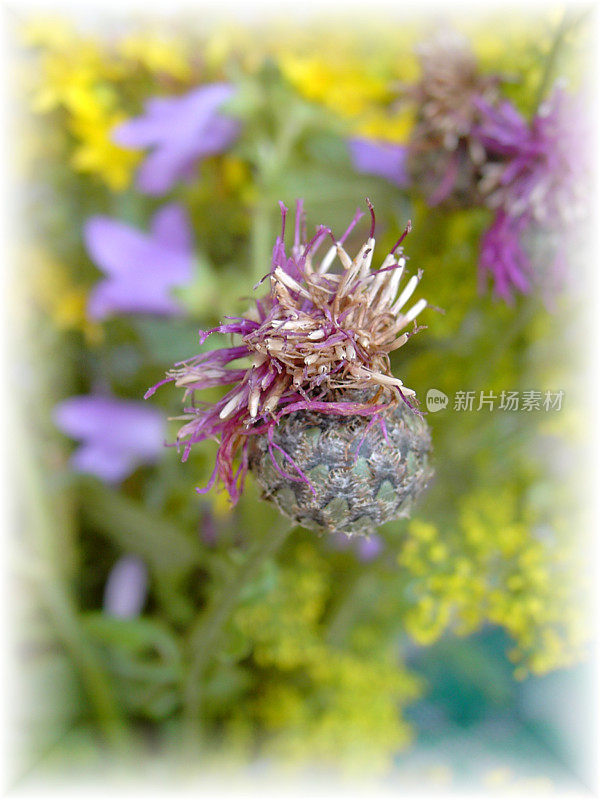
pixel 444 157
pixel 317 414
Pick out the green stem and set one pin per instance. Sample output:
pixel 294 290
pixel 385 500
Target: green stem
pixel 204 636
pixel 566 24
pixel 260 240
pixel 59 603
pixel 343 612
pixel 349 606
pixel 512 333
pixel 63 613
pixel 136 529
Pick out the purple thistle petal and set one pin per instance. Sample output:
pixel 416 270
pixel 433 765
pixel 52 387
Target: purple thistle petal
pixel 537 180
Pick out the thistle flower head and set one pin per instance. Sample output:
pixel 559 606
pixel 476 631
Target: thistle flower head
pixel 537 182
pixel 444 156
pixel 318 342
pixel 539 168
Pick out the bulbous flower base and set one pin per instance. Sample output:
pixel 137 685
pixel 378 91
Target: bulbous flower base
pixel 361 476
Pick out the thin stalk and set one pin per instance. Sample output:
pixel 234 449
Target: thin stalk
pixel 347 609
pixel 160 542
pixel 60 605
pixel 261 240
pixel 566 24
pixel 204 636
pixel 63 613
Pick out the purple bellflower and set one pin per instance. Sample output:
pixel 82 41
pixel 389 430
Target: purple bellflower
pixel 383 159
pixel 141 268
pixel 180 132
pixel 116 436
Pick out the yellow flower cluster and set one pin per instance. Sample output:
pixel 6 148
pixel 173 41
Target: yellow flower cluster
pixel 356 75
pixel 158 54
pixel 352 72
pixel 78 77
pixel 497 567
pixel 86 79
pixel 319 703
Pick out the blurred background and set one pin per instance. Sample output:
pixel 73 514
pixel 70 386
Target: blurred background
pixel 151 156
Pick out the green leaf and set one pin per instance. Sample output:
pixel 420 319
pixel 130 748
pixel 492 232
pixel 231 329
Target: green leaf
pixel 136 529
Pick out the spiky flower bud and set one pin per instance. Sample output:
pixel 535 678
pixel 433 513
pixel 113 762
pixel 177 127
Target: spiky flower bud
pixel 326 428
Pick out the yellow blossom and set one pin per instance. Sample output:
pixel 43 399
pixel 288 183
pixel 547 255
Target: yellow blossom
pixel 346 88
pixel 494 569
pixel 97 153
pixel 158 54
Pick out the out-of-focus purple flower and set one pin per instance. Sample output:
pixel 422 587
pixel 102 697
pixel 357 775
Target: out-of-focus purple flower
pixel 384 159
pixel 208 526
pixel 126 588
pixel 366 548
pixel 181 131
pixel 141 268
pixel 116 436
pixel 536 180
